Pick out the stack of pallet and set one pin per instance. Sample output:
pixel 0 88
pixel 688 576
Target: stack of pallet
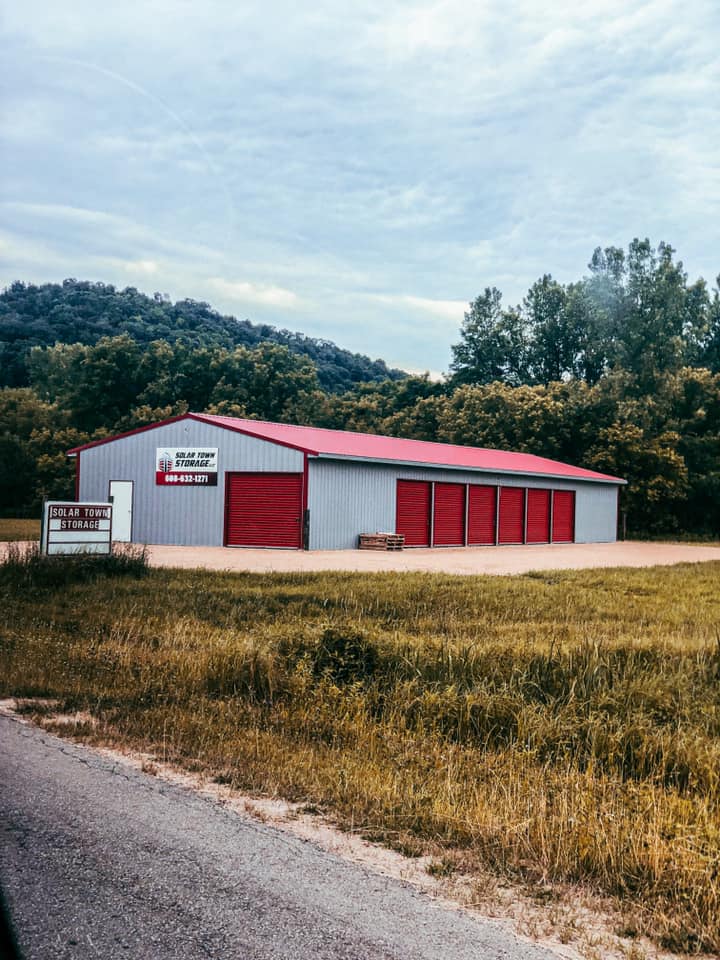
pixel 381 541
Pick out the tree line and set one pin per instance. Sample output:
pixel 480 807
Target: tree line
pixel 618 371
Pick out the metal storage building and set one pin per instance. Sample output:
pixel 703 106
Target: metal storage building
pixel 200 479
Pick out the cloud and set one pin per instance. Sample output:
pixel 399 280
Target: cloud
pixel 148 267
pixel 445 309
pixel 243 291
pixel 104 228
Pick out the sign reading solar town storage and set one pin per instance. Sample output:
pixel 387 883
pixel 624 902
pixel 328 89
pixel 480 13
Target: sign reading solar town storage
pixel 76 528
pixel 182 468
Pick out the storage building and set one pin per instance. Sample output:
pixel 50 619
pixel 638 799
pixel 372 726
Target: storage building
pixel 210 480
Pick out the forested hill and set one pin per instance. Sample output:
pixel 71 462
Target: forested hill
pixel 78 311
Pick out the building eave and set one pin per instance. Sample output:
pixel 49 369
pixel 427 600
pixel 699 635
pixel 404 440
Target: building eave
pixel 423 464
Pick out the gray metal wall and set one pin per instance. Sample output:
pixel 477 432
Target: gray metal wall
pixel 348 498
pixel 596 512
pixel 183 515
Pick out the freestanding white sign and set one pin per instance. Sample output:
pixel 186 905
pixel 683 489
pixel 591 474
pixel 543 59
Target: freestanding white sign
pixel 76 528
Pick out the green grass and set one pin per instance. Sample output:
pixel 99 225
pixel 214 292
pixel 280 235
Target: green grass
pixel 16 529
pixel 560 726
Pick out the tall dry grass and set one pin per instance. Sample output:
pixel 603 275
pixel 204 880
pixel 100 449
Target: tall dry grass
pixel 16 528
pixel 557 727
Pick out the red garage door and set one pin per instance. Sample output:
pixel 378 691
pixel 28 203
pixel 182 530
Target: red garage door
pixel 263 510
pixel 449 515
pixel 512 515
pixel 538 516
pixel 482 504
pixel 412 518
pixel 563 521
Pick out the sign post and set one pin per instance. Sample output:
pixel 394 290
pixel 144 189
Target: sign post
pixel 69 528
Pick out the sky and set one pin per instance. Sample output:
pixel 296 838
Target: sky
pixel 358 172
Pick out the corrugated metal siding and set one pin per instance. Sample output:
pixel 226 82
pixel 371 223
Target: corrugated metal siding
pixel 181 515
pixel 346 499
pixel 264 510
pixel 512 515
pixel 482 505
pixel 538 516
pixel 449 515
pixel 595 513
pixel 413 512
pixel 563 517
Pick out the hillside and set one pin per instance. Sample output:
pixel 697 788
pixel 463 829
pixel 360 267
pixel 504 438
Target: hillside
pixel 79 311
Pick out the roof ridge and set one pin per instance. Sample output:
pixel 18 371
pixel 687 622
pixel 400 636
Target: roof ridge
pixel 357 433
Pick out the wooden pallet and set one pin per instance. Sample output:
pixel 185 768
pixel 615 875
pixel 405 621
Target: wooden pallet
pixel 381 541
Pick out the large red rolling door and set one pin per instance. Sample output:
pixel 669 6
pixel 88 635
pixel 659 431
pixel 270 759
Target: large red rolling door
pixel 538 516
pixel 449 515
pixel 263 510
pixel 412 517
pixel 482 506
pixel 563 520
pixel 512 515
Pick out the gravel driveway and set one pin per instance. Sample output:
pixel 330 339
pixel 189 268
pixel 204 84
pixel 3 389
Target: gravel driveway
pixel 471 560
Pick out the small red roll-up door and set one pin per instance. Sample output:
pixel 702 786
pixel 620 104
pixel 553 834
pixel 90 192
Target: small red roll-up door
pixel 512 515
pixel 482 504
pixel 412 517
pixel 563 521
pixel 538 516
pixel 449 515
pixel 263 510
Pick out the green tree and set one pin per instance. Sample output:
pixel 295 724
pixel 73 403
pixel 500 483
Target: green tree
pixel 493 344
pixel 269 383
pixel 34 438
pixel 656 473
pixel 97 385
pixel 706 352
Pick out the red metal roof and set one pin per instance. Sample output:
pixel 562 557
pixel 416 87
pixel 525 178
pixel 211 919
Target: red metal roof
pixel 320 442
pixel 366 446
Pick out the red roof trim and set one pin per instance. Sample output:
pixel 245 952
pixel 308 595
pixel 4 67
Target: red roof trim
pixel 217 421
pixel 128 433
pixel 201 418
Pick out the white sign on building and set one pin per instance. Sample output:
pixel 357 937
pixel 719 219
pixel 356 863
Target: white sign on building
pixel 76 528
pixel 196 467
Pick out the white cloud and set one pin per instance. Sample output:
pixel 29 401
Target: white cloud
pixel 103 227
pixel 244 291
pixel 147 267
pixel 446 309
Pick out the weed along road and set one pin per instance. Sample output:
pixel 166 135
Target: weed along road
pixel 99 860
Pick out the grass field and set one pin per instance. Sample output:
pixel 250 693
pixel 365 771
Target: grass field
pixel 14 529
pixel 556 727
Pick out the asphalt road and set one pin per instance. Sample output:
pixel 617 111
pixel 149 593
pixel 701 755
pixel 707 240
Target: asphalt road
pixel 100 861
